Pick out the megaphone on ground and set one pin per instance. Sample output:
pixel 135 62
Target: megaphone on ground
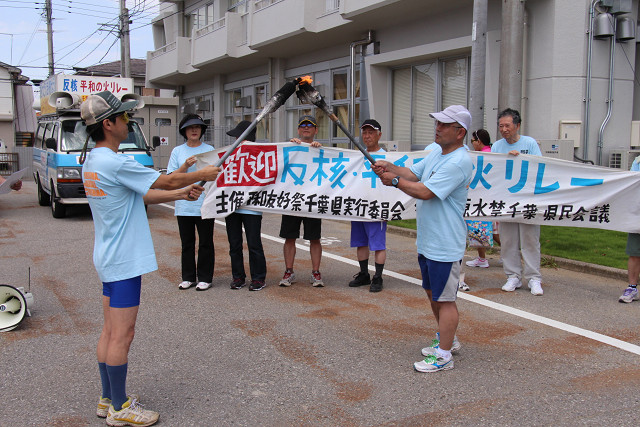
pixel 64 100
pixel 133 97
pixel 14 306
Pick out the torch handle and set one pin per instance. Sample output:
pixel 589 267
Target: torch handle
pixel 358 144
pixel 233 146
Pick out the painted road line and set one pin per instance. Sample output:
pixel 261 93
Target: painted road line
pixel 605 339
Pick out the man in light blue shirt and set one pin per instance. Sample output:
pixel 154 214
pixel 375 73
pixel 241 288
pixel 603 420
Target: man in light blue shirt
pixel 117 188
pixel 440 183
pixel 518 239
pixel 633 251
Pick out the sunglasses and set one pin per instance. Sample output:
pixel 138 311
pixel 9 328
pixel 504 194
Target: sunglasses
pixel 125 118
pixel 306 125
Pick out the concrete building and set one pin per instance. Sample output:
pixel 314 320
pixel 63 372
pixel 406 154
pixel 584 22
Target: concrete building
pixel 226 57
pixel 17 118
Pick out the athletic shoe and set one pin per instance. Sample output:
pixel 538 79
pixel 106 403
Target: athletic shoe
pixel 431 350
pixel 316 279
pixel 104 403
pixel 630 294
pixel 203 286
pixel 185 285
pixel 288 279
pixel 376 284
pixel 131 414
pixel 256 285
pixel 512 284
pixel 237 284
pixel 536 288
pixel 433 363
pixel 463 286
pixel 484 263
pixel 360 279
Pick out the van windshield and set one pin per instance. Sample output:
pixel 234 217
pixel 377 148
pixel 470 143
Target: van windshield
pixel 74 133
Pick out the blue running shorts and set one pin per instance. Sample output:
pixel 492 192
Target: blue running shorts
pixel 123 293
pixel 441 278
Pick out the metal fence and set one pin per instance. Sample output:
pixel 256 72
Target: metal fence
pixel 20 159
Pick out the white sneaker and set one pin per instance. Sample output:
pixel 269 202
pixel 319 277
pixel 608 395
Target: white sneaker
pixel 536 288
pixel 131 414
pixel 185 285
pixel 431 350
pixel 512 284
pixel 463 286
pixel 288 279
pixel 477 262
pixel 203 286
pixel 433 363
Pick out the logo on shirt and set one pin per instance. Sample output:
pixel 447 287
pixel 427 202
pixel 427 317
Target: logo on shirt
pixel 91 189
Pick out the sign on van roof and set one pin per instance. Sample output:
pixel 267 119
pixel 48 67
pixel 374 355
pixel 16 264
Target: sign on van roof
pixel 82 86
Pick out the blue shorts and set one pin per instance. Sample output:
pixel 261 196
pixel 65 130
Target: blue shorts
pixel 372 234
pixel 441 278
pixel 123 293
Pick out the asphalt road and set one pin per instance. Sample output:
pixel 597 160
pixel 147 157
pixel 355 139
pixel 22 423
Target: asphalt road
pixel 304 356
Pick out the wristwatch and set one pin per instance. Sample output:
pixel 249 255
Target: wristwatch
pixel 395 181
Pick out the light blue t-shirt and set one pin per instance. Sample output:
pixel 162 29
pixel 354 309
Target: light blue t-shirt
pixel 434 146
pixel 178 156
pixel 525 145
pixel 635 166
pixel 115 185
pixel 442 231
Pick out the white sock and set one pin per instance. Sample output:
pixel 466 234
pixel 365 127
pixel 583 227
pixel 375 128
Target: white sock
pixel 445 354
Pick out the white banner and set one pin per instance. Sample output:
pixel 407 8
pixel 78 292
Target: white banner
pixel 335 183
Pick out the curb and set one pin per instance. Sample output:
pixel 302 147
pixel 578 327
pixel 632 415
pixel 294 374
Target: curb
pixel 567 264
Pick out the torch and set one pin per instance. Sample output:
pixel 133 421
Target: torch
pixel 276 101
pixel 307 94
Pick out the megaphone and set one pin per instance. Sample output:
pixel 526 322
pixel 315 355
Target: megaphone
pixel 14 306
pixel 133 97
pixel 64 100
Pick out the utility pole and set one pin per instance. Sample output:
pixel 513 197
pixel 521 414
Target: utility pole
pixel 511 55
pixel 49 17
pixel 478 63
pixel 125 48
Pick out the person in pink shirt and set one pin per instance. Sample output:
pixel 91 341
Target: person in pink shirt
pixel 482 142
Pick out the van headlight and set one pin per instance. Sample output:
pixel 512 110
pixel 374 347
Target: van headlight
pixel 69 175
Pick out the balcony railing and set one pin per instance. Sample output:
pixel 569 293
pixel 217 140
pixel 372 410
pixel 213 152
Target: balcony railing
pixel 332 6
pixel 164 49
pixel 220 23
pixel 261 4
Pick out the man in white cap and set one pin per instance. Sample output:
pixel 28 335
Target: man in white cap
pixel 117 188
pixel 440 183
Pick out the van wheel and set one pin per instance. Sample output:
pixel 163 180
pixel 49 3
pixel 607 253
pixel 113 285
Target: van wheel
pixel 58 210
pixel 43 197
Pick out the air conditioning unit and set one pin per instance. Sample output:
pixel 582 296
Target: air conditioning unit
pixel 189 109
pixel 622 159
pixel 203 106
pixel 402 146
pixel 557 148
pixel 245 102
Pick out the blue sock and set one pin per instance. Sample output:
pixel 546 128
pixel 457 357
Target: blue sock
pixel 118 380
pixel 104 376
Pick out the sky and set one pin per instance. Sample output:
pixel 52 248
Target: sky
pixel 79 39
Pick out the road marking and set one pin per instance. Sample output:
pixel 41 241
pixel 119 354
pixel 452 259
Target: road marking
pixel 605 339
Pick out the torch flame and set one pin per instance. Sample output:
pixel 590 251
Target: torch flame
pixel 306 80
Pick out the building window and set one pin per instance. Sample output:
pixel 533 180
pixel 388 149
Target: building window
pixel 422 89
pixel 238 6
pixel 163 122
pixel 246 103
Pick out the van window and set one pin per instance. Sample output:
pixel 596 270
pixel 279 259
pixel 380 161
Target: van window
pixel 74 134
pixel 40 136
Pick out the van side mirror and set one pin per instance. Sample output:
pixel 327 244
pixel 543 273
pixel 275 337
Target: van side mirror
pixel 51 143
pixel 155 141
